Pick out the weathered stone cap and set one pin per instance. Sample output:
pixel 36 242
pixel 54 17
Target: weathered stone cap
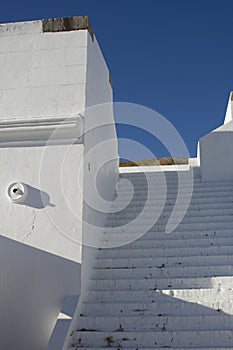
pixel 68 24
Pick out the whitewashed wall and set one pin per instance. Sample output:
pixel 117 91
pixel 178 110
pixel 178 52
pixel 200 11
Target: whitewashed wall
pixel 32 289
pixel 45 78
pixel 101 164
pixel 100 152
pixel 46 223
pixel 42 74
pixel 216 154
pixel 215 150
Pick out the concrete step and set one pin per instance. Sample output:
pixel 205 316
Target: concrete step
pixel 140 202
pixel 163 262
pixel 169 190
pixel 139 348
pixel 183 194
pixel 200 295
pixel 139 227
pixel 187 220
pixel 165 308
pixel 154 234
pixel 195 212
pixel 172 178
pixel 150 283
pixel 154 339
pixel 171 185
pixel 144 248
pixel 155 323
pixel 171 252
pixel 135 277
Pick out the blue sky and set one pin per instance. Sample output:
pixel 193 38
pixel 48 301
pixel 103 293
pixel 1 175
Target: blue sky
pixel 174 56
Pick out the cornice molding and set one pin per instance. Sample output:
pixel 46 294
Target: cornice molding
pixel 41 131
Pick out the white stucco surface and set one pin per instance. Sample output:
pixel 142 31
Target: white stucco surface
pixel 42 74
pixel 101 161
pixel 47 81
pixel 215 150
pixel 100 140
pixel 51 75
pixel 45 221
pixel 32 290
pixel 216 154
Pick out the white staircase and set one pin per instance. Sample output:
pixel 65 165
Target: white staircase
pixel 163 290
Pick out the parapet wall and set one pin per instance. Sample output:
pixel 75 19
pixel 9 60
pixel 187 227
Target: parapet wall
pixel 215 150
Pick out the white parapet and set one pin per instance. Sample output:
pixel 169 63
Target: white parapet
pixel 215 151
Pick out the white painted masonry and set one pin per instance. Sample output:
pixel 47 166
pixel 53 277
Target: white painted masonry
pixel 52 73
pixel 42 74
pixel 215 150
pixel 58 141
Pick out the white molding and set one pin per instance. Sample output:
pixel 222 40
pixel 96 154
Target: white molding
pixel 41 131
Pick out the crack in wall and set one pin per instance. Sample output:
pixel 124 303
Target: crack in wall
pixel 30 228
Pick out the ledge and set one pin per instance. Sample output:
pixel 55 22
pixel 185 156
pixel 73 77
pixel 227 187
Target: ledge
pixel 68 24
pixel 41 131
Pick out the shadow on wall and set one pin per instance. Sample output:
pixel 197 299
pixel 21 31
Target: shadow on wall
pixel 37 199
pixel 33 288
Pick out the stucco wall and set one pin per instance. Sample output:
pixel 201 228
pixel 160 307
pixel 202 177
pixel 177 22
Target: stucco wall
pixel 45 220
pixel 101 161
pixel 50 74
pixel 42 74
pixel 216 154
pixel 32 289
pixel 100 153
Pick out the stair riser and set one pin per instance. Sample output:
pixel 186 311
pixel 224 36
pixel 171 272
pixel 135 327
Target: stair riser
pixel 179 308
pixel 203 296
pixel 174 240
pixel 164 219
pixel 180 252
pixel 149 284
pixel 134 231
pixel 183 185
pixel 155 339
pixel 160 192
pixel 170 198
pixel 156 273
pixel 146 348
pixel 168 323
pixel 137 202
pixel 163 262
pixel 150 212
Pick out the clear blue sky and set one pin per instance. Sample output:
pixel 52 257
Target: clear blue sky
pixel 175 56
